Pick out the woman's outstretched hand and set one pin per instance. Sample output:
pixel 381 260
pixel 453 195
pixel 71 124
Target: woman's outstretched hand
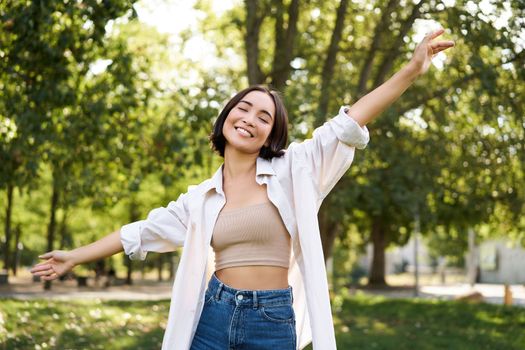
pixel 58 263
pixel 426 50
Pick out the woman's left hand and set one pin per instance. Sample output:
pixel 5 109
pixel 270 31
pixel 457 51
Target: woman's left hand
pixel 426 50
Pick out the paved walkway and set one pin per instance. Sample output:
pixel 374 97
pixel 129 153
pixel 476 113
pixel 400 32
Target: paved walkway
pixel 24 288
pixel 492 293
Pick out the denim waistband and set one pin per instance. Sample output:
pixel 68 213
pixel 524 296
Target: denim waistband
pixel 253 298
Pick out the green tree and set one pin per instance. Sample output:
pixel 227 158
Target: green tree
pixel 415 157
pixel 50 49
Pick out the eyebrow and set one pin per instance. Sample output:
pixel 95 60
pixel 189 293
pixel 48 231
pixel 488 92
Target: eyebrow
pixel 262 110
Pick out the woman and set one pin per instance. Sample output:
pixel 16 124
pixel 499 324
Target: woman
pixel 250 233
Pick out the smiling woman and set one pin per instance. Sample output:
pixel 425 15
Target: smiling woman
pixel 252 272
pixel 256 110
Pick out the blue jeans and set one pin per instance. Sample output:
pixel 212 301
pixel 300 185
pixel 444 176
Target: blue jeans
pixel 236 319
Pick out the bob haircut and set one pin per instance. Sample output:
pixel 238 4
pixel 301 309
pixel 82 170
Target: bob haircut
pixel 278 136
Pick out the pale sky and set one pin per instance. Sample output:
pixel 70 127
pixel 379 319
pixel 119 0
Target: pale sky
pixel 173 16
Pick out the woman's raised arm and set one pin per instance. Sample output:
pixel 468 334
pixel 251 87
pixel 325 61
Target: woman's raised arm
pixel 375 102
pixel 59 262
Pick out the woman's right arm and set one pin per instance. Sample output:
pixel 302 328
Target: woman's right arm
pixel 59 262
pixel 162 231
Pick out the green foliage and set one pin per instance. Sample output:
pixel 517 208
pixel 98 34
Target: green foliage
pixel 122 140
pixel 448 152
pixel 46 48
pixel 128 130
pixel 449 242
pixel 448 147
pixel 64 112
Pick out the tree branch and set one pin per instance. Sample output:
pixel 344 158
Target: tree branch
pixel 436 93
pixel 381 28
pixel 391 55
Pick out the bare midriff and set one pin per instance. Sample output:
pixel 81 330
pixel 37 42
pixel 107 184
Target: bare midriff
pixel 254 277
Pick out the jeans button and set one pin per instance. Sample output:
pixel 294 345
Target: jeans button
pixel 239 297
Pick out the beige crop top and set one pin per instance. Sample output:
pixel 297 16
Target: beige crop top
pixel 253 235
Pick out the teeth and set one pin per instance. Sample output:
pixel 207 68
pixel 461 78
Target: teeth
pixel 244 131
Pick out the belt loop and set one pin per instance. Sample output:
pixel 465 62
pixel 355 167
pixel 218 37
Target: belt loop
pixel 291 294
pixel 255 304
pixel 219 289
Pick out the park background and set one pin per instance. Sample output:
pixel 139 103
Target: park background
pixel 105 112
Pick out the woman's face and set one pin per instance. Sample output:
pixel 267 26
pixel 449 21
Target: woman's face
pixel 249 124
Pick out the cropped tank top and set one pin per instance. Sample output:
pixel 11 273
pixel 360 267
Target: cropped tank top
pixel 253 235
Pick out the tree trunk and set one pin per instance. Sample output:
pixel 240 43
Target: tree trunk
pixel 64 234
pixel 251 42
pixel 52 222
pixel 7 227
pixel 171 261
pixel 329 64
pixel 159 267
pixel 133 216
pixel 284 43
pixel 16 258
pixel 127 263
pixel 377 271
pixel 328 229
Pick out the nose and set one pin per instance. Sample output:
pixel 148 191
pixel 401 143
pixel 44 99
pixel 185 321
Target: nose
pixel 248 120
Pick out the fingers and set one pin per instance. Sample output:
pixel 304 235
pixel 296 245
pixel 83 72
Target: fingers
pixel 43 263
pixel 47 272
pixel 437 46
pixel 47 255
pixel 434 34
pixel 447 43
pixel 441 45
pixel 40 267
pixel 43 270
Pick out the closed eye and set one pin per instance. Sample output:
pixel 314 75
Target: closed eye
pixel 264 120
pixel 242 109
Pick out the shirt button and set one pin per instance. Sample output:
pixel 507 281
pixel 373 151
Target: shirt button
pixel 239 297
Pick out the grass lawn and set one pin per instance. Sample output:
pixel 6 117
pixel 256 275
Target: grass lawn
pixel 364 322
pixel 361 322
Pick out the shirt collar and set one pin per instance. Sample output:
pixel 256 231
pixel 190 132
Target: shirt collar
pixel 262 167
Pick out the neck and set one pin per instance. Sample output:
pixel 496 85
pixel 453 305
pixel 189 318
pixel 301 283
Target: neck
pixel 237 164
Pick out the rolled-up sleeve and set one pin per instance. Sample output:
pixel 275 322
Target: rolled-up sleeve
pixel 162 231
pixel 348 130
pixel 330 151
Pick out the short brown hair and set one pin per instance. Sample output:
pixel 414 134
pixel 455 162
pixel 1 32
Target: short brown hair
pixel 278 136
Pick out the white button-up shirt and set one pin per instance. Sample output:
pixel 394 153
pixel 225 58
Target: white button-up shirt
pixel 296 184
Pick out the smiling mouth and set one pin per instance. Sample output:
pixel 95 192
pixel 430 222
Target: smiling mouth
pixel 244 131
